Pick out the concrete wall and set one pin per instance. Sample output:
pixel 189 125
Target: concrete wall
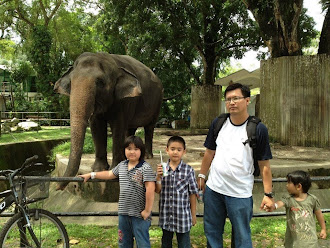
pixel 295 99
pixel 205 105
pixel 12 156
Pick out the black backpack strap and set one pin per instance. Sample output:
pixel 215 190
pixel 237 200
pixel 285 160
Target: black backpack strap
pixel 218 125
pixel 251 129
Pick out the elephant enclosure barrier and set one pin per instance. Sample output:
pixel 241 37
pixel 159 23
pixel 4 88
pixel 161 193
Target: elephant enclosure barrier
pixel 115 213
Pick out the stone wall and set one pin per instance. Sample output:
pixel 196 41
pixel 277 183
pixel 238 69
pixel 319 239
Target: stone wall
pixel 295 99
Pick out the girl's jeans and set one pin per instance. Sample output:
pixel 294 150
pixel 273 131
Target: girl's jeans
pixel 130 227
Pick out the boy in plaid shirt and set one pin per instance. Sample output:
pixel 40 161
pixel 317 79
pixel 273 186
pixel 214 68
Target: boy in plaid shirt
pixel 177 204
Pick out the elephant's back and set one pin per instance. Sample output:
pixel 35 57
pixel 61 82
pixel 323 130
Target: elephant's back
pixel 135 66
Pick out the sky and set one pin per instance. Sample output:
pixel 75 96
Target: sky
pixel 250 62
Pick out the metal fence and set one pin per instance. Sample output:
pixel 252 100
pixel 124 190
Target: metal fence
pixel 115 213
pixel 42 118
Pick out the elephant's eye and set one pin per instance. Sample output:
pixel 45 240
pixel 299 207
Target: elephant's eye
pixel 99 83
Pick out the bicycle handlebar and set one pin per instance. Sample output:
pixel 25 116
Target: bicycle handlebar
pixel 29 161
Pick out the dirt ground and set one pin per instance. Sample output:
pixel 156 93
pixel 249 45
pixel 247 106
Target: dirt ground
pixel 281 154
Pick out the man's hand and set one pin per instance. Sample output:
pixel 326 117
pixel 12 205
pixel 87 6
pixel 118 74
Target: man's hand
pixel 267 204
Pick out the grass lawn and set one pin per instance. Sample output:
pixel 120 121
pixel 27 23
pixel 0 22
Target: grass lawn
pixel 46 133
pixel 50 133
pixel 266 233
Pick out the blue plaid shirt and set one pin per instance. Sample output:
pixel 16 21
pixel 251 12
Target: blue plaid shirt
pixel 174 203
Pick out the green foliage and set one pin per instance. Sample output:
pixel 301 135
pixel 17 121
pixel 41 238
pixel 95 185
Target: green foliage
pixel 306 30
pixel 184 43
pixel 40 57
pixel 7 49
pixel 19 75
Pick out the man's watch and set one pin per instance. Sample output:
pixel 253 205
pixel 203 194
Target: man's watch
pixel 270 194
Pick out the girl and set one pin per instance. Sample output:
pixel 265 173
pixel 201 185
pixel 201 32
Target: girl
pixel 137 187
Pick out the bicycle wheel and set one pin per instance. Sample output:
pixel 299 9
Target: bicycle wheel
pixel 48 229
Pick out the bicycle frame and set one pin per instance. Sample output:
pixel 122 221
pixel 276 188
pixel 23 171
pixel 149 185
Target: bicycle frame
pixel 8 201
pixel 11 196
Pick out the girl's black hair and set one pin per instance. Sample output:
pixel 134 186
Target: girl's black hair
pixel 301 177
pixel 137 141
pixel 176 139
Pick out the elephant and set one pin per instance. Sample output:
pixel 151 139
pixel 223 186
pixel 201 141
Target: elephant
pixel 109 89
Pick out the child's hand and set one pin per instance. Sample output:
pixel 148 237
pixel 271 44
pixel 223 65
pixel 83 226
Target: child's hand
pixel 85 176
pixel 159 171
pixel 145 214
pixel 193 220
pixel 323 234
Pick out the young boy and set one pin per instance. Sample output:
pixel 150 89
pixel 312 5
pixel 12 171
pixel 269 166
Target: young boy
pixel 177 204
pixel 300 209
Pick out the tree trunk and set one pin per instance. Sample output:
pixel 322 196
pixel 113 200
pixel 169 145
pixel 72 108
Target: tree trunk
pixel 278 23
pixel 324 45
pixel 205 105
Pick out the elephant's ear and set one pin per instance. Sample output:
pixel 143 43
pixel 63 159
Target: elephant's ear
pixel 63 85
pixel 127 85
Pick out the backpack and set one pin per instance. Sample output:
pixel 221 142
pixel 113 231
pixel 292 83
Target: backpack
pixel 251 129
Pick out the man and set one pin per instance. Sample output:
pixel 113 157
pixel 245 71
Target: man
pixel 228 191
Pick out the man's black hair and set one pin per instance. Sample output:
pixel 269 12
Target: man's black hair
pixel 244 88
pixel 301 177
pixel 137 141
pixel 176 139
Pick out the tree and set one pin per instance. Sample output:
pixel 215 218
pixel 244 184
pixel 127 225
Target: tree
pixel 32 21
pixel 52 36
pixel 281 24
pixel 184 42
pixel 204 31
pixel 324 45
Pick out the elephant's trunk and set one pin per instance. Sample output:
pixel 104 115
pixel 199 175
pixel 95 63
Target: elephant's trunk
pixel 81 109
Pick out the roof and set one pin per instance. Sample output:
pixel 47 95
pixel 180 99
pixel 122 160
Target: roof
pixel 251 79
pixel 3 68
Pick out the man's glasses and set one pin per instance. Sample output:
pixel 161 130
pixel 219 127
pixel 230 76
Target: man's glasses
pixel 234 99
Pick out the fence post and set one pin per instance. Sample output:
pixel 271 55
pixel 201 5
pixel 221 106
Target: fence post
pixel 38 122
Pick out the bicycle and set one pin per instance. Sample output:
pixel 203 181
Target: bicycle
pixel 29 227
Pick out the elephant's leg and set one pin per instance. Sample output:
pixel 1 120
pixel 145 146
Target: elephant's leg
pixel 99 133
pixel 118 138
pixel 149 133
